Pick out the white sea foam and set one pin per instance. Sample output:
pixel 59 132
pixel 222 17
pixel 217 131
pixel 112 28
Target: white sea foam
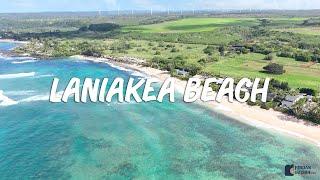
pixel 123 103
pixel 36 98
pixel 222 108
pixel 120 68
pixel 44 75
pixel 17 75
pixel 9 58
pixel 23 62
pixel 40 97
pixel 20 93
pixel 6 101
pixel 140 74
pixel 132 72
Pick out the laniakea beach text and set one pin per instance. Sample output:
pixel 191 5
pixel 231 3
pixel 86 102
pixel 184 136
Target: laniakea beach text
pixel 95 90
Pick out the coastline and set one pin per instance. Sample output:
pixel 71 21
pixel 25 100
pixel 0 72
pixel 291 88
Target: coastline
pixel 13 41
pixel 251 115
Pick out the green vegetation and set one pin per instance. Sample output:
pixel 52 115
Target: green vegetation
pixel 274 68
pixel 237 46
pixel 193 25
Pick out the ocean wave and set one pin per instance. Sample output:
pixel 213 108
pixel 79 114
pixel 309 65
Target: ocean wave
pixel 36 98
pixel 40 97
pixel 120 68
pixel 17 75
pixel 10 58
pixel 20 93
pixel 123 103
pixel 44 75
pixel 23 62
pixel 6 101
pixel 140 74
pixel 132 72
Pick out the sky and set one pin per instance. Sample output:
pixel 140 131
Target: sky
pixel 103 5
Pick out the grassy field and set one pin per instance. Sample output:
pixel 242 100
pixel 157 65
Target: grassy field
pixel 302 30
pixel 192 25
pixel 298 74
pixel 188 38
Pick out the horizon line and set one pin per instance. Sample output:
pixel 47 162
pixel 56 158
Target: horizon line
pixel 162 10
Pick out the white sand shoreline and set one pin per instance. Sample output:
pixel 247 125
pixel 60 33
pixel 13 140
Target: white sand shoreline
pixel 13 41
pixel 254 116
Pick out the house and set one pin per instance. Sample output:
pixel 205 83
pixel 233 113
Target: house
pixel 289 101
pixel 237 47
pixel 219 81
pixel 182 72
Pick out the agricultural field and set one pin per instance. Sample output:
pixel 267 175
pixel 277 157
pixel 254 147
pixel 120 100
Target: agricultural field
pixel 193 25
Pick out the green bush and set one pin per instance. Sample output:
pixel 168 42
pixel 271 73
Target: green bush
pixel 209 50
pixel 269 57
pixel 174 50
pixel 103 27
pixel 305 57
pixel 157 53
pixel 274 68
pixel 308 91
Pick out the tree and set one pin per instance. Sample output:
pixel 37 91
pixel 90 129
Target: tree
pixel 269 57
pixel 274 68
pixel 308 91
pixel 305 57
pixel 83 28
pixel 221 50
pixel 279 85
pixel 193 68
pixel 91 52
pixel 264 22
pixel 103 27
pixel 209 50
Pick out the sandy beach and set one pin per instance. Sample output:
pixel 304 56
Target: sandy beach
pixel 269 120
pixel 13 41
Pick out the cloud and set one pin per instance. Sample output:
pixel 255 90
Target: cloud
pixel 23 4
pixel 257 4
pixel 147 4
pixel 89 5
pixel 111 3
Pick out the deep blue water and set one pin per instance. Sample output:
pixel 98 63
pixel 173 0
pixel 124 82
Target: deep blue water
pixel 43 140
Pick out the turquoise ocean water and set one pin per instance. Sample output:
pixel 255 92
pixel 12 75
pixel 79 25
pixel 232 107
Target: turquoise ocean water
pixel 42 140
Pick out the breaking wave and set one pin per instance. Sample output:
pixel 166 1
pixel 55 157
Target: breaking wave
pixel 17 75
pixel 20 93
pixel 44 97
pixel 23 62
pixel 44 75
pixel 6 101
